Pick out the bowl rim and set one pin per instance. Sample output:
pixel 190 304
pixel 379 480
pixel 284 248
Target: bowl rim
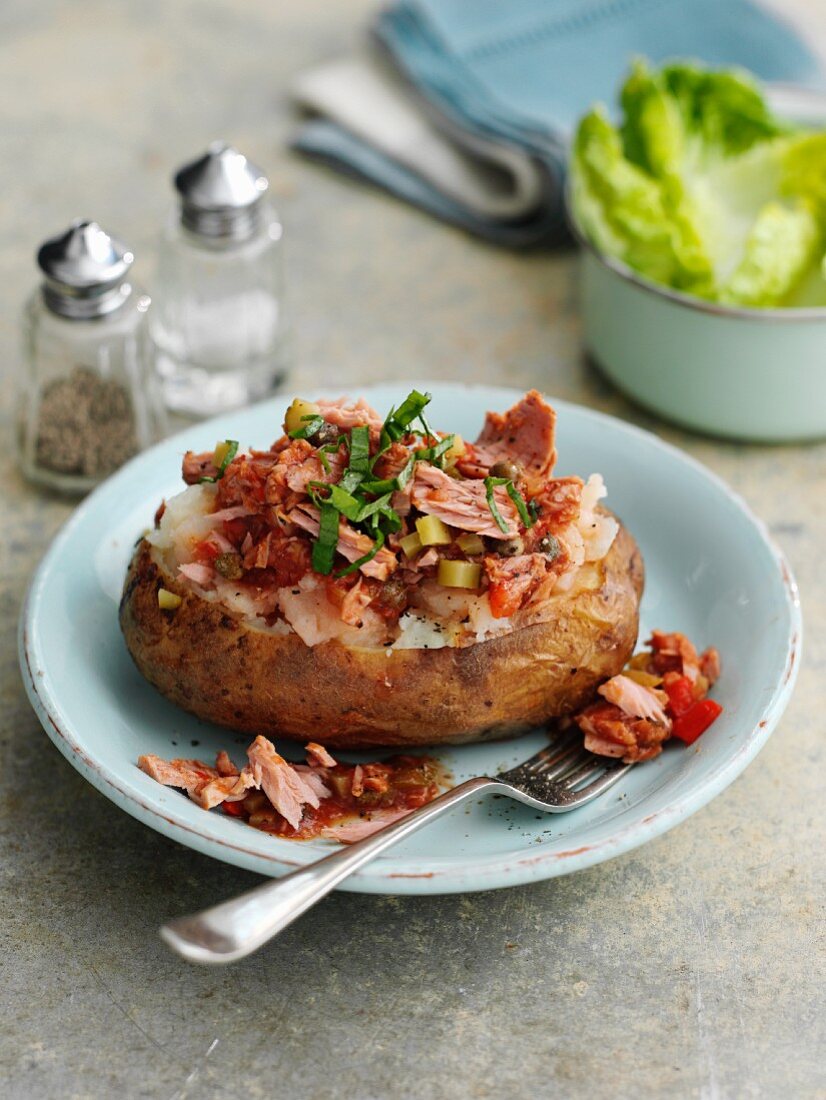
pixel 794 97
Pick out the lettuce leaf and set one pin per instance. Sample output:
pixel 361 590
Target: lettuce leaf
pixel 702 189
pixel 804 168
pixel 785 242
pixel 631 216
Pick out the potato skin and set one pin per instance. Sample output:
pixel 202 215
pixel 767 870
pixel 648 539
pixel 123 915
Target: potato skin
pixel 213 665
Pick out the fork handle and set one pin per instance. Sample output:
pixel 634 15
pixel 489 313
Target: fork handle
pixel 237 927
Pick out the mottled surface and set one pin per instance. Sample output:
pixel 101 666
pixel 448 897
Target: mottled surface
pixel 384 698
pixel 687 968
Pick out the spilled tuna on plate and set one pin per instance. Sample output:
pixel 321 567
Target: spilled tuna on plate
pixel 662 693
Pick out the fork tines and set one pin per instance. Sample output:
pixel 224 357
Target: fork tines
pixel 565 774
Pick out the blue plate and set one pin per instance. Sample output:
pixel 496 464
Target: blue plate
pixel 712 572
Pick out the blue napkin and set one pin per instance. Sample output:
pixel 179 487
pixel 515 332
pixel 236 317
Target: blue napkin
pixel 521 72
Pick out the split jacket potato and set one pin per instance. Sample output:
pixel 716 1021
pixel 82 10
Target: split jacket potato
pixel 372 582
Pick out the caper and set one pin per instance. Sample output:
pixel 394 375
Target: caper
pixel 505 468
pixel 229 565
pixel 393 594
pixel 509 548
pixel 326 434
pixel 549 546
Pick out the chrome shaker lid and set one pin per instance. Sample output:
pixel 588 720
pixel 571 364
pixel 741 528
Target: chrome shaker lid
pixel 85 271
pixel 220 193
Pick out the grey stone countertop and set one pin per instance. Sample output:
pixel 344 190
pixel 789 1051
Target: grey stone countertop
pixel 688 967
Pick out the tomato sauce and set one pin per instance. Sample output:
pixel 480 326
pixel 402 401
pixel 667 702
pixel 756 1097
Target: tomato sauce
pixel 400 783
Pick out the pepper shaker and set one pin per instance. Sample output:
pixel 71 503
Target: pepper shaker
pixel 87 400
pixel 218 322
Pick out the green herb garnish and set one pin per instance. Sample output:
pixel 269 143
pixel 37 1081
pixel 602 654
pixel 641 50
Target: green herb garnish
pixel 410 409
pixel 404 475
pixel 360 450
pixel 371 553
pixel 519 501
pixel 378 507
pixel 330 449
pixel 350 481
pixel 342 500
pixel 526 514
pixel 350 506
pixel 362 500
pixel 385 485
pixel 313 425
pixel 397 422
pixel 436 453
pixel 231 452
pixel 324 547
pixel 490 483
pixel 426 429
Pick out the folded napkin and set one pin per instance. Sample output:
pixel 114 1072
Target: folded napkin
pixel 466 107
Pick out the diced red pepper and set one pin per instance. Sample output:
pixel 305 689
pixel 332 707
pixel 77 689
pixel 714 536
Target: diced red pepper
pixel 680 692
pixel 695 721
pixel 234 809
pixel 504 600
pixel 206 552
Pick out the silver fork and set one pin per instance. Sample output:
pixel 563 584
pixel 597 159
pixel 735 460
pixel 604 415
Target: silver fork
pixel 558 778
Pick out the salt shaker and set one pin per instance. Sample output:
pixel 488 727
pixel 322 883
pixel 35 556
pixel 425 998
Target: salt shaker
pixel 218 320
pixel 87 398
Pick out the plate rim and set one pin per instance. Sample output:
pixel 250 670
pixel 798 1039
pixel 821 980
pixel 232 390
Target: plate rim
pixel 501 870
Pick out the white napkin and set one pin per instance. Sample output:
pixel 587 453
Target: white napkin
pixel 492 179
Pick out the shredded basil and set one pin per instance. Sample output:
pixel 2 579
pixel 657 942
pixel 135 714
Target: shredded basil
pixel 371 553
pixel 404 475
pixel 519 501
pixel 351 481
pixel 364 500
pixel 314 424
pixel 343 502
pixel 324 547
pixel 330 449
pixel 410 409
pixel 232 451
pixel 490 484
pixel 385 485
pixel 436 453
pixel 397 422
pixel 526 514
pixel 373 508
pixel 357 511
pixel 391 517
pixel 360 450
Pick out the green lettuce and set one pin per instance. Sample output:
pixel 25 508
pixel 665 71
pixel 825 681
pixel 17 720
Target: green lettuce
pixel 782 246
pixel 701 188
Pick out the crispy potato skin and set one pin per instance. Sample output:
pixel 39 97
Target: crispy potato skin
pixel 210 663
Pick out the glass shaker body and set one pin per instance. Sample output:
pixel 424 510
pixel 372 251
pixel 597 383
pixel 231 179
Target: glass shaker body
pixel 86 398
pixel 218 320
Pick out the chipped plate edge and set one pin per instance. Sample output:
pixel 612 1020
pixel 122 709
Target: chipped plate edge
pixel 499 871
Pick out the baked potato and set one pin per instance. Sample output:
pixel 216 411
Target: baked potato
pixel 523 636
